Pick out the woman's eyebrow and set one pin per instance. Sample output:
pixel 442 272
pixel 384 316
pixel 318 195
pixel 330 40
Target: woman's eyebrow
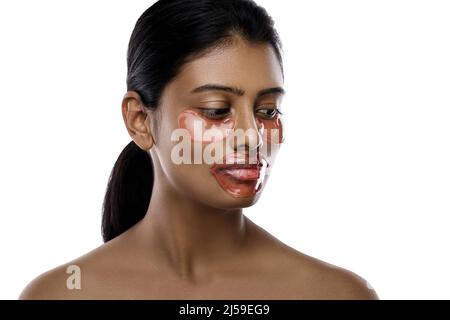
pixel 237 91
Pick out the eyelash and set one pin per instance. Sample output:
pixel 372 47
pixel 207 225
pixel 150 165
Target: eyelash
pixel 214 113
pixel 220 113
pixel 275 111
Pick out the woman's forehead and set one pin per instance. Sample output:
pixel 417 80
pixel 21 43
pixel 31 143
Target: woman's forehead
pixel 249 66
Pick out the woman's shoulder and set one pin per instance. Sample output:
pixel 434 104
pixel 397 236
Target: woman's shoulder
pixel 67 280
pixel 307 277
pixel 328 281
pixel 51 284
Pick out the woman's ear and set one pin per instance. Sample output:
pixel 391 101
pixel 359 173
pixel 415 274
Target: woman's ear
pixel 137 120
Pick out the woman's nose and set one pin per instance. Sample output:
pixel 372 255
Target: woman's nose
pixel 247 132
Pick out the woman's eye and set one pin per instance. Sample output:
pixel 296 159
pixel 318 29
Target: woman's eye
pixel 268 113
pixel 214 113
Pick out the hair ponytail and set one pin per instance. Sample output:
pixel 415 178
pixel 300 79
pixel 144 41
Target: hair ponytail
pixel 167 35
pixel 128 192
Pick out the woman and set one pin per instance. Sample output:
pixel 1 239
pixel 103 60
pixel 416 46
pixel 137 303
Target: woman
pixel 173 227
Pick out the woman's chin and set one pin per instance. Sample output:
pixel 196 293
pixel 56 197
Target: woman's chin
pixel 234 201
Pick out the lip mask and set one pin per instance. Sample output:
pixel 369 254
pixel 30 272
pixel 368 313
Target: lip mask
pixel 248 184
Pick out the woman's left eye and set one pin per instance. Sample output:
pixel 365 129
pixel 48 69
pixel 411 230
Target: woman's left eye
pixel 268 113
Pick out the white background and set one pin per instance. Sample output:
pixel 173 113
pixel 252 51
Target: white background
pixel 363 180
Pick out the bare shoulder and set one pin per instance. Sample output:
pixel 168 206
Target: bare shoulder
pixel 69 280
pixel 50 285
pixel 306 277
pixel 339 283
pixel 322 280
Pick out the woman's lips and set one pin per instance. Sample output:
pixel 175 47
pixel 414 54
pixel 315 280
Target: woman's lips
pixel 241 179
pixel 243 172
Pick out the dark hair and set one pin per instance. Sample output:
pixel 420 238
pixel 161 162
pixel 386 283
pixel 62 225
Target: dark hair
pixel 166 36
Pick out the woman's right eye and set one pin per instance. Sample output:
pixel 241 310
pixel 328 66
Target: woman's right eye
pixel 215 113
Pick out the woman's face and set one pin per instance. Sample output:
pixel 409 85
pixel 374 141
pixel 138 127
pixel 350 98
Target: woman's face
pixel 213 138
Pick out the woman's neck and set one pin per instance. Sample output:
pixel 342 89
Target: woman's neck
pixel 193 239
